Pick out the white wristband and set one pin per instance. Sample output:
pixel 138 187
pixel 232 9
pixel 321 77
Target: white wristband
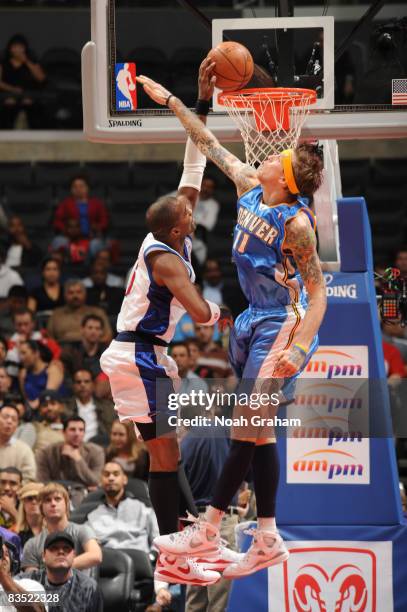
pixel 194 166
pixel 215 314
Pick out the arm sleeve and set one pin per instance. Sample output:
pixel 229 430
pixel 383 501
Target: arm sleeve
pixel 59 219
pixel 28 465
pixel 91 472
pixel 43 471
pixel 96 601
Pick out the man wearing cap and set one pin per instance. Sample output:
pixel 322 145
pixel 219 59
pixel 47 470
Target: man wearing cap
pixel 49 429
pixel 69 588
pixel 12 451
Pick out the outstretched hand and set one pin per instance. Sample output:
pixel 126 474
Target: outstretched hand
pixel 288 363
pixel 157 92
pixel 206 79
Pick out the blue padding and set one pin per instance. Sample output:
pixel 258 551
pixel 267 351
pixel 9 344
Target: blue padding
pixel 354 235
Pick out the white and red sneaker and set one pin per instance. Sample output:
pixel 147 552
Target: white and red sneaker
pixel 183 570
pixel 220 560
pixel 267 549
pixel 199 537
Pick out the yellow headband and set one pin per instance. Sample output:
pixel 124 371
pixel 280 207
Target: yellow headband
pixel 286 157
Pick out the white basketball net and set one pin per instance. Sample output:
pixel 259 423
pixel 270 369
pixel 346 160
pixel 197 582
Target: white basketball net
pixel 269 121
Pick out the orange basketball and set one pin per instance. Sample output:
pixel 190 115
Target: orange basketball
pixel 234 65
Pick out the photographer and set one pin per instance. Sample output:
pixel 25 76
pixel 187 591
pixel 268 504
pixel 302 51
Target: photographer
pixel 15 594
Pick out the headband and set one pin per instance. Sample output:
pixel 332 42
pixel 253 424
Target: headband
pixel 286 157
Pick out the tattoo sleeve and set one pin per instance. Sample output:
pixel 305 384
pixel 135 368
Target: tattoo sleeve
pixel 241 174
pixel 300 241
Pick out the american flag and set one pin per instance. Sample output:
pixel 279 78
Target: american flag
pixel 399 91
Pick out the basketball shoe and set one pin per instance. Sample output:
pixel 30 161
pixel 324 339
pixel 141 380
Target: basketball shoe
pixel 266 549
pixel 183 570
pixel 221 559
pixel 199 537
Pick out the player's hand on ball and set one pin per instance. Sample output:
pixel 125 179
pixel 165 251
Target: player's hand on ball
pixel 288 363
pixel 206 79
pixel 157 92
pixel 225 320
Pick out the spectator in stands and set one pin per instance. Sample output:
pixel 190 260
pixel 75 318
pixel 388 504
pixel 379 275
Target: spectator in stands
pixel 122 521
pixel 73 459
pixel 87 352
pixel 8 277
pixel 17 299
pixel 394 364
pixel 190 380
pixel 10 482
pixel 49 427
pixel 112 280
pixel 203 457
pixel 212 282
pixel 20 77
pixel 39 371
pixel 205 215
pixel 400 260
pixel 24 326
pixel 5 384
pixel 65 323
pixel 21 251
pixel 393 333
pixel 90 212
pixel 54 507
pixel 127 450
pixel 97 414
pixel 29 517
pixel 12 451
pixel 50 294
pixel 213 362
pixel 25 593
pixel 101 294
pixel 25 430
pixel 3 351
pixel 75 248
pixel 75 590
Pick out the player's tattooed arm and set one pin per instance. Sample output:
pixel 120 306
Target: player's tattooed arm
pixel 169 271
pixel 241 174
pixel 301 242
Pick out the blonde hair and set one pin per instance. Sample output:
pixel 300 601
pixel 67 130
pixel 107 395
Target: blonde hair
pixel 134 446
pixel 51 489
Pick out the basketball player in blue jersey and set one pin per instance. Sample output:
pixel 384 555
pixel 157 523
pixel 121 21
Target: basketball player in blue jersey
pixel 141 373
pixel 275 253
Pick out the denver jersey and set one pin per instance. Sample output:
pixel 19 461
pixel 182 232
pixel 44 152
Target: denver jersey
pixel 147 307
pixel 267 275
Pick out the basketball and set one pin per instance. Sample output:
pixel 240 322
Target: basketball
pixel 234 65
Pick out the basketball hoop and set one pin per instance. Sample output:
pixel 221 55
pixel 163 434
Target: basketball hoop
pixel 269 119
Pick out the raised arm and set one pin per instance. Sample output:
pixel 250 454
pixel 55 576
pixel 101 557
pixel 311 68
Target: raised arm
pixel 241 174
pixel 300 242
pixel 169 271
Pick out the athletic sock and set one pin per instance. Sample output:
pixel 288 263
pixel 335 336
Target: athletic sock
pixel 266 523
pixel 266 472
pixel 164 495
pixel 233 473
pixel 186 499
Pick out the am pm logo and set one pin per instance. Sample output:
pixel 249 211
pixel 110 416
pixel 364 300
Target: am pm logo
pixel 329 397
pixel 333 577
pixel 338 362
pixel 331 463
pixel 331 428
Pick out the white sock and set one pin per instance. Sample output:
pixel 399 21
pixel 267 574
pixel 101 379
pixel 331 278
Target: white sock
pixel 214 516
pixel 267 524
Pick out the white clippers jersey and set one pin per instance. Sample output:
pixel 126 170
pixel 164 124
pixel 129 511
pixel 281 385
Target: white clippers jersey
pixel 147 307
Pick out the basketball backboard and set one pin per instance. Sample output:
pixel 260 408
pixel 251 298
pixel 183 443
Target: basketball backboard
pixel 370 71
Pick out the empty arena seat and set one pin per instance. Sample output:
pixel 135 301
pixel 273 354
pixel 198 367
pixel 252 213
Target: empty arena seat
pixel 389 172
pixel 59 61
pixel 56 174
pixel 355 171
pixel 15 174
pixel 116 579
pixel 123 200
pixel 26 198
pixel 152 173
pixel 108 173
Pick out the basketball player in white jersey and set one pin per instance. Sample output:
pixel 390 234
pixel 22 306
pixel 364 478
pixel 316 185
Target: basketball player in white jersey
pixel 141 373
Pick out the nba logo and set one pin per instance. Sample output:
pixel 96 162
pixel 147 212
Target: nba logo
pixel 126 95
